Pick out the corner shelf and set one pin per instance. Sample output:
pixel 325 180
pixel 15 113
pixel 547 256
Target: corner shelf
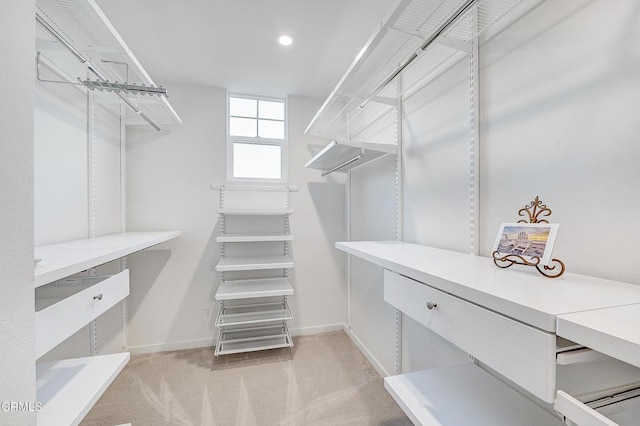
pixel 342 156
pixel 253 238
pixel 69 388
pixel 249 289
pixel 64 259
pixel 91 33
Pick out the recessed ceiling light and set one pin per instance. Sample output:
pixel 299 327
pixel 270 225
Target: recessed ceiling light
pixel 284 39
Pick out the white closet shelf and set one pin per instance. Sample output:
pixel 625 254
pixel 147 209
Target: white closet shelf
pixel 434 397
pixel 403 34
pixel 64 259
pixel 342 156
pixel 256 313
pixel 527 298
pixel 253 339
pixel 253 263
pixel 250 289
pixel 253 238
pixel 69 388
pixel 89 31
pixel 612 331
pixel 255 212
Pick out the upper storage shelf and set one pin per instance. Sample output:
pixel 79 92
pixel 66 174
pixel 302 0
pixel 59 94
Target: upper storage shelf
pixel 338 156
pixel 418 40
pixel 86 29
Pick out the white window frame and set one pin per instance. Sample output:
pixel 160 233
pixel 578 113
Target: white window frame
pixel 282 143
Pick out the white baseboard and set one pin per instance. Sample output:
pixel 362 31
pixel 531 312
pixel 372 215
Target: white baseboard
pixel 173 346
pixel 307 331
pixel 379 368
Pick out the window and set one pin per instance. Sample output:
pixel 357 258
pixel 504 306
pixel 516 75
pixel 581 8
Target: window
pixel 257 139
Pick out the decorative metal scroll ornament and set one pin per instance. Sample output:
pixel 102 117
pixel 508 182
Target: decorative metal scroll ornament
pixel 533 211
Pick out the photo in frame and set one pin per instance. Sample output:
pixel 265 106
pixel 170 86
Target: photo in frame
pixel 528 240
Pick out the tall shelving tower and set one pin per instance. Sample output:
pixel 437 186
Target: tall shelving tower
pixel 254 310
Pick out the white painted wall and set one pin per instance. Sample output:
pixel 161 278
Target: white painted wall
pixel 373 212
pixel 559 104
pixel 168 187
pixel 17 359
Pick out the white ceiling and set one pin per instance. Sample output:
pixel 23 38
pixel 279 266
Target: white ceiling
pixel 231 43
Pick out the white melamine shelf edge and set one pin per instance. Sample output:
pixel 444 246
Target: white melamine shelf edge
pixel 244 238
pixel 337 153
pixel 252 263
pixel 518 293
pixel 64 259
pixel 69 388
pixel 258 317
pixel 267 188
pixel 249 289
pixel 434 397
pixel 256 212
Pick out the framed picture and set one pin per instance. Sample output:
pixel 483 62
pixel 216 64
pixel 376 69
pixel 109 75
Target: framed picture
pixel 528 240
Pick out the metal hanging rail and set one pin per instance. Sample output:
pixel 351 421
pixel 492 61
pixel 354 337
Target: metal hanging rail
pixel 346 163
pixel 40 20
pixel 423 47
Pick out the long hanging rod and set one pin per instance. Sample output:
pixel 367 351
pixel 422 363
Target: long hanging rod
pixel 423 47
pixel 346 163
pixel 40 20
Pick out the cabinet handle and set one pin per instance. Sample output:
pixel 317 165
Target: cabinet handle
pixel 99 297
pixel 431 305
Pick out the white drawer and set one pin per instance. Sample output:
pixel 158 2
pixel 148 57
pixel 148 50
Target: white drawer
pixel 521 353
pixel 59 321
pixel 623 413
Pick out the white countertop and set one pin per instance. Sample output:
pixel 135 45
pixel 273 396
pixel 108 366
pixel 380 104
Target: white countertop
pixel 519 292
pixel 68 258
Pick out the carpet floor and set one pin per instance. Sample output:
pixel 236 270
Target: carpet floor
pixel 322 380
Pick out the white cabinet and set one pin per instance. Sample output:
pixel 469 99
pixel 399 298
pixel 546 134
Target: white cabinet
pixel 57 322
pixel 524 354
pixel 69 388
pixel 563 341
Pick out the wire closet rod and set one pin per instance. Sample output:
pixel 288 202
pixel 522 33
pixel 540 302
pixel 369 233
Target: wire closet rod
pixel 423 47
pixel 40 20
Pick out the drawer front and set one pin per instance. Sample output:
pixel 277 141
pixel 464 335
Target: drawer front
pixel 521 353
pixel 579 413
pixel 59 321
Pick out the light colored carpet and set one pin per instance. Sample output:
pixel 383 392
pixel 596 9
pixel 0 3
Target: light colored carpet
pixel 323 380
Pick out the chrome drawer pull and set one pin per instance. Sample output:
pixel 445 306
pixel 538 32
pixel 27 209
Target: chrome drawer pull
pixel 99 297
pixel 431 305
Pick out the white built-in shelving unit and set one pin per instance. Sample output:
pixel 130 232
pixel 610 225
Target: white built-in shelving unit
pixel 69 388
pixel 87 30
pixel 253 312
pixel 415 43
pixel 570 342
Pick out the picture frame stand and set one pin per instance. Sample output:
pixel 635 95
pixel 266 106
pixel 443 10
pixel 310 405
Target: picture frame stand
pixel 533 211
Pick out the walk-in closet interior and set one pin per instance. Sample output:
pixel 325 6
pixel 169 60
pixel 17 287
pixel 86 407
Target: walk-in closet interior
pixel 369 212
